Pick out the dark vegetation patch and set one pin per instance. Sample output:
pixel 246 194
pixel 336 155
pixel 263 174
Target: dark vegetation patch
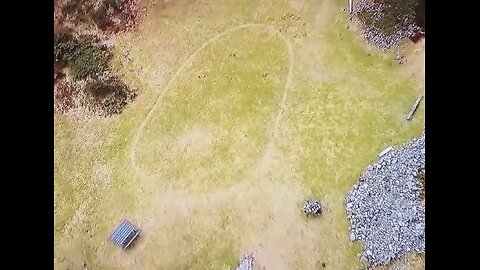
pixel 110 16
pixel 90 85
pixel 66 96
pixel 108 96
pixel 102 97
pixel 82 54
pixel 82 77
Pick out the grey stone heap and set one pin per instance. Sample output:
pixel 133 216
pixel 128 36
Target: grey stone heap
pixel 376 36
pixel 385 209
pixel 312 208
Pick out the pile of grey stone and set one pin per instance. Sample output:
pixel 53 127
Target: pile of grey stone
pixel 312 208
pixel 246 263
pixel 376 36
pixel 385 208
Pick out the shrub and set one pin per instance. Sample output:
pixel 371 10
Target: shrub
pixel 101 17
pixel 57 74
pixel 101 97
pixel 89 63
pixel 107 97
pixel 83 54
pixel 88 59
pixel 64 47
pixel 107 15
pixel 71 7
pixel 66 96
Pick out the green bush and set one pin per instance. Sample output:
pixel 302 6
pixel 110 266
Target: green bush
pixel 64 47
pixel 83 54
pixel 89 62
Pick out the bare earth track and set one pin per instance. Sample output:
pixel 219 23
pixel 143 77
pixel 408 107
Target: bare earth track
pixel 138 170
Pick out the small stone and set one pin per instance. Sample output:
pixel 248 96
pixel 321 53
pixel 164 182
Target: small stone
pixel 352 236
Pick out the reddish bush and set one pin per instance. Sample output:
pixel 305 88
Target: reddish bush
pixel 131 13
pixel 102 97
pixel 66 96
pixel 107 97
pixel 90 89
pixel 111 16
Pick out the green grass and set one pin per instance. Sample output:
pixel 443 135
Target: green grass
pixel 215 191
pixel 218 112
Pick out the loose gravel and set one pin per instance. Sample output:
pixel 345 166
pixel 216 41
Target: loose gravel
pixel 385 209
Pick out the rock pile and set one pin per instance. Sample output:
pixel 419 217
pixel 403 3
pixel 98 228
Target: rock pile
pixel 312 208
pixel 385 208
pixel 375 35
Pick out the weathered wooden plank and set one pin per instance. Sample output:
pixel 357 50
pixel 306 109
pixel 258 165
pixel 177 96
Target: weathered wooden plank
pixel 385 151
pixel 414 108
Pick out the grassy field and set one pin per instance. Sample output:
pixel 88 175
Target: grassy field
pixel 243 113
